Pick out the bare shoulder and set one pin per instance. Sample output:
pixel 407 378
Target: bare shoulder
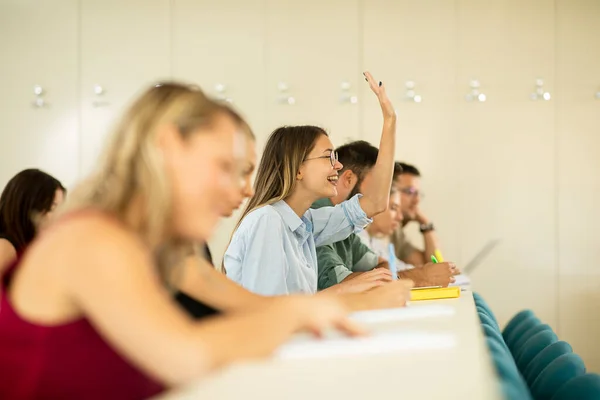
pixel 7 253
pixel 87 240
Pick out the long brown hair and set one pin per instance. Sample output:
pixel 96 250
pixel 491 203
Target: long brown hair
pixel 29 192
pixel 284 153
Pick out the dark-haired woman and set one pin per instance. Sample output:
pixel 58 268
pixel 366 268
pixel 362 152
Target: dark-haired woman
pixel 26 204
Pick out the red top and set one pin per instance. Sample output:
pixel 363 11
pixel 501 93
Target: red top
pixel 67 361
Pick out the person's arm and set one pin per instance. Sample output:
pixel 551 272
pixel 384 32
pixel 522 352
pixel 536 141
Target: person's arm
pixel 331 267
pixel 430 237
pixel 204 283
pixel 8 254
pixel 376 193
pixel 256 256
pixel 416 257
pixel 405 251
pixel 334 224
pixel 109 278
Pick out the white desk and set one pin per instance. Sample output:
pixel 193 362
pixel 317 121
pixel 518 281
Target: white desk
pixel 463 371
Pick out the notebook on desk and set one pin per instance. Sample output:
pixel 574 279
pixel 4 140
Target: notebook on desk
pixel 434 293
pixel 403 314
pixel 377 343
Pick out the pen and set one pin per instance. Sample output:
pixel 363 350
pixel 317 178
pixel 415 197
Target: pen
pixel 392 261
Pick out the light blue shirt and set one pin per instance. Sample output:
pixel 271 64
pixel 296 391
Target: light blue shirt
pixel 273 251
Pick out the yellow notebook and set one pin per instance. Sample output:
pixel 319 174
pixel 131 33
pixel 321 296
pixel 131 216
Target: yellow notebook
pixel 417 294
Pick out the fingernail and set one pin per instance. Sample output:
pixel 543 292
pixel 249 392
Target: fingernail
pixel 379 83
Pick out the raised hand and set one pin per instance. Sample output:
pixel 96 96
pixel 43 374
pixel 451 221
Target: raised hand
pixel 379 89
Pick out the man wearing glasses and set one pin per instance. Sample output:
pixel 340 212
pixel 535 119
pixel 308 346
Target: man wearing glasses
pixel 349 258
pixel 408 183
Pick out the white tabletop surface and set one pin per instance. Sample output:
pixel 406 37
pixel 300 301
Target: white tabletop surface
pixel 444 357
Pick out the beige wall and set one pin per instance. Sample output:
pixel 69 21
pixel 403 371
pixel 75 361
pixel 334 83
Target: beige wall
pixel 521 171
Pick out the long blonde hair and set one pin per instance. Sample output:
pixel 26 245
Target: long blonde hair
pixel 132 165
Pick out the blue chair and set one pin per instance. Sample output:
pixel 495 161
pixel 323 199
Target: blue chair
pixel 534 330
pixel 533 347
pixel 486 319
pixel 516 321
pixel 514 391
pixel 488 313
pixel 544 358
pixel 497 349
pixel 520 330
pixel 512 383
pixel 556 375
pixel 584 387
pixel 480 302
pixel 491 333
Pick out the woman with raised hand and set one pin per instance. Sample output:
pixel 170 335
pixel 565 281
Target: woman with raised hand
pixel 87 312
pixel 203 291
pixel 273 249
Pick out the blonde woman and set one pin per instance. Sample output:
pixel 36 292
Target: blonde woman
pixel 273 250
pixel 87 312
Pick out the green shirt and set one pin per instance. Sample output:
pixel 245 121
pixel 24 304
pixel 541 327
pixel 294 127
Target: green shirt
pixel 338 260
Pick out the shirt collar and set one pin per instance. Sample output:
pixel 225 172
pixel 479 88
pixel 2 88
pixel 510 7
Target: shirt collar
pixel 291 219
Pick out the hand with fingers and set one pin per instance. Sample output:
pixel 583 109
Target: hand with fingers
pixel 390 295
pixel 364 281
pixel 440 274
pixel 316 314
pixel 389 113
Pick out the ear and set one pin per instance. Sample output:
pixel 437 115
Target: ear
pixel 300 174
pixel 348 178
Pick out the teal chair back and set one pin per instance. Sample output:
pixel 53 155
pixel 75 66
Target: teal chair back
pixel 497 350
pixel 491 333
pixel 514 391
pixel 544 358
pixel 482 310
pixel 584 387
pixel 516 321
pixel 486 319
pixel 477 297
pixel 534 330
pixel 556 375
pixel 481 304
pixel 520 330
pixel 512 383
pixel 533 347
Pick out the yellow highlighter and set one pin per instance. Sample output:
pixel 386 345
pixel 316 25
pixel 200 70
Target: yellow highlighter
pixel 438 256
pixel 434 293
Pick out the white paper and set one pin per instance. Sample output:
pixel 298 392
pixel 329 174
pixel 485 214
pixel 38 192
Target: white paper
pixel 462 281
pixel 378 343
pixel 403 314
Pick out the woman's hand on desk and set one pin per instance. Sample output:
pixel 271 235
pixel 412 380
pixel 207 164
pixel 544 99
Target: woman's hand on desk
pixel 387 295
pixel 390 295
pixel 362 281
pixel 316 314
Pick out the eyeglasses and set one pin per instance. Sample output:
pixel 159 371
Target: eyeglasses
pixel 333 158
pixel 412 192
